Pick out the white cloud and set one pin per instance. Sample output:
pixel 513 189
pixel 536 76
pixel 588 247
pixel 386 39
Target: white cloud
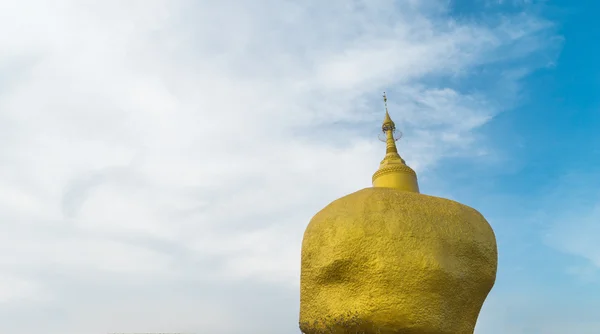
pixel 168 141
pixel 18 290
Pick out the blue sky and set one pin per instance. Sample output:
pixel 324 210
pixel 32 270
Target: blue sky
pixel 165 156
pixel 542 195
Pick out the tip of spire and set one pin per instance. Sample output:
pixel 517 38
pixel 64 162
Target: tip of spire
pixel 387 121
pixel 385 102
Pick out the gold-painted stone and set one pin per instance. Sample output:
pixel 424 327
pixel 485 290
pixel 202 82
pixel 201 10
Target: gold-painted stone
pixel 388 259
pixel 393 261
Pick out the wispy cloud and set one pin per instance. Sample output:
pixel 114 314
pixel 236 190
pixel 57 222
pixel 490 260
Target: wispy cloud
pixel 180 141
pixel 572 210
pixel 532 312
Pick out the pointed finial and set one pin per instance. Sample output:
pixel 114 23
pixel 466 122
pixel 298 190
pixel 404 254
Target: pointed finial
pixel 388 124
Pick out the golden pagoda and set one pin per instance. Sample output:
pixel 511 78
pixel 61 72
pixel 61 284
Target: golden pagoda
pixel 387 259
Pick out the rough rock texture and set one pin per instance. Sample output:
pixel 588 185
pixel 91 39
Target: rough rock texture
pixel 388 261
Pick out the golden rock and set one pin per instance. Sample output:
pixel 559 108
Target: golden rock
pixel 388 259
pixel 398 262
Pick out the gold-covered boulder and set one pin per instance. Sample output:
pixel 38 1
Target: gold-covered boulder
pixel 383 260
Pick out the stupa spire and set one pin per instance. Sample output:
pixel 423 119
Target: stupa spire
pixel 389 128
pixel 393 171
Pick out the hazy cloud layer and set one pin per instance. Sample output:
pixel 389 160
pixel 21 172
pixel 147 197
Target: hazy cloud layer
pixel 159 160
